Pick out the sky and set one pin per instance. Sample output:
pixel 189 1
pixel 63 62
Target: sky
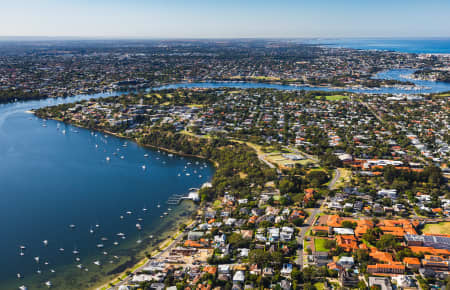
pixel 225 18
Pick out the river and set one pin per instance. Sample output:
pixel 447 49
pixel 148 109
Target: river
pixel 50 180
pixel 399 74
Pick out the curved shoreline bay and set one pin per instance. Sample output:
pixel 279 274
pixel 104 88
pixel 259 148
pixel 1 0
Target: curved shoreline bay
pixel 50 180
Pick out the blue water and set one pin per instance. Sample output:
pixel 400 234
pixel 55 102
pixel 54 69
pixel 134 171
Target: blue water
pixel 422 86
pixel 49 180
pixel 431 45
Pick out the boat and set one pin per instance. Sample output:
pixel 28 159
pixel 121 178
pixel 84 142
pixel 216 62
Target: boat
pixel 120 234
pixel 22 247
pixel 122 157
pixel 100 246
pixel 144 209
pixel 116 243
pixel 21 253
pixel 158 206
pixel 45 242
pixel 80 266
pixel 91 231
pixel 97 263
pixel 104 238
pixel 108 159
pixel 48 284
pixel 64 132
pixel 19 276
pixel 143 167
pixel 188 174
pixel 166 213
pixel 121 217
pixel 52 270
pixel 200 176
pixel 96 145
pixel 97 225
pixel 75 252
pixel 139 227
pixel 145 155
pixel 129 212
pixel 139 241
pixel 170 155
pixel 77 259
pixel 125 144
pixel 61 249
pixel 23 287
pixel 151 236
pixel 105 253
pixel 72 226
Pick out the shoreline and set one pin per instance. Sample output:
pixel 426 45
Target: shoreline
pixel 171 234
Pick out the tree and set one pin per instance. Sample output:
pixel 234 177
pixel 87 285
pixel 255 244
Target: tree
pixel 259 257
pixel 386 242
pixel 349 224
pixel 317 177
pixel 298 222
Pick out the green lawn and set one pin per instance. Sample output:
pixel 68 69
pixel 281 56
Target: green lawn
pixel 334 97
pixel 440 228
pixel 319 286
pixel 319 244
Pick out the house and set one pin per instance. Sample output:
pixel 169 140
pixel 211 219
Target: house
pixel 255 270
pixel 194 236
pixel 437 242
pixel 435 263
pixel 348 279
pixel 286 270
pixel 274 234
pixel 392 268
pixel 347 242
pixel 383 282
pixel 346 262
pixel 267 272
pixel 411 263
pixel 239 277
pixel 286 234
pixel 224 269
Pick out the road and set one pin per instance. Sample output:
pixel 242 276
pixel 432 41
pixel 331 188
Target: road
pixel 311 220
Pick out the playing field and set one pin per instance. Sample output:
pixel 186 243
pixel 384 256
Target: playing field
pixel 334 97
pixel 440 228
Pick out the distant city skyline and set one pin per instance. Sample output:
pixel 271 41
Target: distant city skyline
pixel 224 19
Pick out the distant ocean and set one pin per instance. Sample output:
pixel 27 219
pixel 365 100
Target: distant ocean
pixel 430 45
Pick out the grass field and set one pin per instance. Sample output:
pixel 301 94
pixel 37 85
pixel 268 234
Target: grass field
pixel 345 177
pixel 319 286
pixel 334 97
pixel 319 245
pixel 440 228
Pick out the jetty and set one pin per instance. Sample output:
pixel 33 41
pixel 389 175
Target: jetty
pixel 176 199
